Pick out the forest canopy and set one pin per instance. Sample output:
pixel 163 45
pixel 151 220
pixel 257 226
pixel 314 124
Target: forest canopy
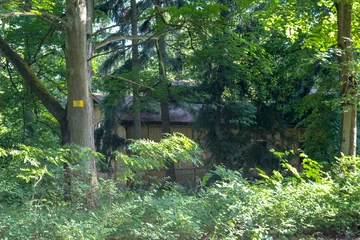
pixel 256 82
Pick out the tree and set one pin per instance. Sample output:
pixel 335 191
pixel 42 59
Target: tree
pixel 333 27
pixel 76 119
pixel 164 85
pixel 25 120
pixel 348 82
pixel 135 69
pixel 230 66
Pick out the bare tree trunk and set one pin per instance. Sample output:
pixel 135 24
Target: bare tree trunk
pixel 89 71
pixel 65 138
pixel 348 83
pixel 165 116
pixel 135 70
pixel 165 112
pixel 164 104
pixel 164 101
pixel 80 106
pixel 76 122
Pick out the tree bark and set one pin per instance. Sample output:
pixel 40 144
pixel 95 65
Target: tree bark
pixel 76 122
pixel 348 83
pixel 89 77
pixel 164 101
pixel 164 105
pixel 78 76
pixel 165 111
pixel 135 70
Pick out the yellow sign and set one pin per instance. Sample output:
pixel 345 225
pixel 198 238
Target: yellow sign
pixel 78 103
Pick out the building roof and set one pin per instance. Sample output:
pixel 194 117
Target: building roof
pixel 98 97
pixel 177 114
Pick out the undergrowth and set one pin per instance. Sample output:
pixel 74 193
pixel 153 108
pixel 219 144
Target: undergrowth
pixel 285 204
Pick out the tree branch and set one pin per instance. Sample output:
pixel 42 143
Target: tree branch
pixel 108 52
pixel 10 75
pixel 19 14
pixel 124 79
pixel 49 101
pixel 41 44
pixel 122 37
pixel 123 24
pixel 101 30
pixel 50 18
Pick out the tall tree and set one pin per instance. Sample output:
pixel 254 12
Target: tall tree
pixel 75 120
pixel 348 82
pixel 78 76
pixel 325 25
pixel 164 85
pixel 135 70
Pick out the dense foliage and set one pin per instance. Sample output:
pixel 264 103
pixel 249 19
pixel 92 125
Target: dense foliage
pixel 248 71
pixel 286 204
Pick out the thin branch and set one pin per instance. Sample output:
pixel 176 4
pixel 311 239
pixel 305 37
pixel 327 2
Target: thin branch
pixel 19 14
pixel 122 37
pixel 50 18
pixel 191 40
pixel 10 75
pixel 139 43
pixel 108 27
pixel 160 13
pixel 50 127
pixel 51 30
pixel 54 20
pixel 108 52
pixel 124 79
pixel 52 81
pixel 126 23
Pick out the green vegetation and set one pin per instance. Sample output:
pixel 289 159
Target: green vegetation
pixel 284 205
pixel 241 77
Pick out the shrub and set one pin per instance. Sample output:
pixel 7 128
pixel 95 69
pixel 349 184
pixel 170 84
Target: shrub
pixel 286 204
pixel 147 155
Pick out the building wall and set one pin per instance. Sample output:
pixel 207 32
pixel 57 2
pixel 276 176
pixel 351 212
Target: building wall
pixel 98 115
pixel 98 122
pixel 153 131
pixel 186 172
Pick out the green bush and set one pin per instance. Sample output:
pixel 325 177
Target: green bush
pixel 28 173
pixel 286 204
pixel 147 155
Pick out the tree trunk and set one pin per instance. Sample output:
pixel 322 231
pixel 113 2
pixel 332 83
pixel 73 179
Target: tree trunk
pixel 218 130
pixel 165 116
pixel 89 76
pixel 80 106
pixel 76 122
pixel 165 125
pixel 135 70
pixel 164 103
pixel 165 112
pixel 348 83
pixel 65 138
